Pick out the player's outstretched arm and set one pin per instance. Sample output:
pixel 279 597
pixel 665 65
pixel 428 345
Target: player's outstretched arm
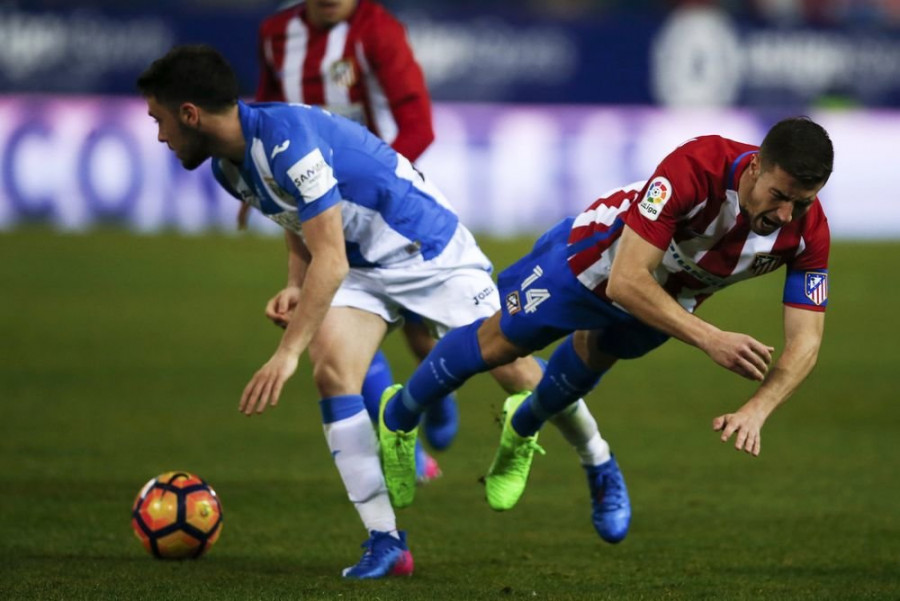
pixel 631 284
pixel 327 268
pixel 803 335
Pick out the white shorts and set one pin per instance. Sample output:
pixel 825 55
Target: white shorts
pixel 451 290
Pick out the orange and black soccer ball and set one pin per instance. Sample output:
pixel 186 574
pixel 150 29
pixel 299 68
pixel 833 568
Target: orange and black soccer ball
pixel 177 515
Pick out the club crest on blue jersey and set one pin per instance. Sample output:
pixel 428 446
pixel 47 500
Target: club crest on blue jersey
pixel 513 304
pixel 816 286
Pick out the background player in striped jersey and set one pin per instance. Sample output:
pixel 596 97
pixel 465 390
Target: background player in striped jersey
pixel 367 236
pixel 353 58
pixel 626 274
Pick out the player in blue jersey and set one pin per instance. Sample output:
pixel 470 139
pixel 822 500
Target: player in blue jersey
pixel 369 74
pixel 368 236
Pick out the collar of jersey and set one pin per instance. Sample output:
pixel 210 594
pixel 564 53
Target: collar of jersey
pixel 734 166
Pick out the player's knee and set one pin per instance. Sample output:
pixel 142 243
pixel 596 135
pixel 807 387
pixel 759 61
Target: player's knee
pixel 333 379
pixel 496 348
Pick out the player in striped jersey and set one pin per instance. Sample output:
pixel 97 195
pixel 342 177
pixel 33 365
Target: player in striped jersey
pixel 368 236
pixel 626 274
pixel 352 57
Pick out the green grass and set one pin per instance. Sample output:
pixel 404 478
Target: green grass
pixel 124 356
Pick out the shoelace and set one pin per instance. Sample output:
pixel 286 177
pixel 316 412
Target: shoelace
pixel 369 558
pixel 524 451
pixel 403 437
pixel 610 490
pixel 529 447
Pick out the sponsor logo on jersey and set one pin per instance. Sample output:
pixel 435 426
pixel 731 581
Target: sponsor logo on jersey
pixel 816 286
pixel 694 270
pixel 342 73
pixel 513 305
pixel 484 294
pixel 312 176
pixel 659 191
pixel 764 263
pixel 279 149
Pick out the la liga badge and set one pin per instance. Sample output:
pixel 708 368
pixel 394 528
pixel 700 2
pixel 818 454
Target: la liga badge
pixel 658 193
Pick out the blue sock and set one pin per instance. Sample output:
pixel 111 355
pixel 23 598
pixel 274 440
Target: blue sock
pixel 336 408
pixel 377 379
pixel 455 358
pixel 566 379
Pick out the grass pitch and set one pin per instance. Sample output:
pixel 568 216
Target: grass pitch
pixel 124 356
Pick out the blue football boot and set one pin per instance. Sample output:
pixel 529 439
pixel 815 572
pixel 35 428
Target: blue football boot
pixel 427 468
pixel 384 555
pixel 609 499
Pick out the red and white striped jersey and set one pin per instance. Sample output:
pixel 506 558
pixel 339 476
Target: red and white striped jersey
pixel 362 68
pixel 689 208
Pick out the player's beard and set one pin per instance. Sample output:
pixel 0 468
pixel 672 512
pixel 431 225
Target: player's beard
pixel 194 147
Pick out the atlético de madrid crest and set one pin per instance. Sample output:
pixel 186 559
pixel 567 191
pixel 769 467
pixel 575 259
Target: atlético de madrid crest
pixel 342 73
pixel 764 263
pixel 816 286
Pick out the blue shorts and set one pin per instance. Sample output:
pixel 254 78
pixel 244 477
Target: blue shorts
pixel 542 301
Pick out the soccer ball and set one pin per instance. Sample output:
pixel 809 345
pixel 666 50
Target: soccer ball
pixel 177 515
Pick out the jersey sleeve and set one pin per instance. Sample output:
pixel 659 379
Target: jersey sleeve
pixel 303 167
pixel 673 190
pixel 269 87
pixel 400 76
pixel 806 281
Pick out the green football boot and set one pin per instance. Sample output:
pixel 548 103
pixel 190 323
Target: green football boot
pixel 505 481
pixel 398 456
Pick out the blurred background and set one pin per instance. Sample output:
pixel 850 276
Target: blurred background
pixel 540 105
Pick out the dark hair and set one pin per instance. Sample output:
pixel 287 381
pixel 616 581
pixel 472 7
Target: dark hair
pixel 801 147
pixel 196 74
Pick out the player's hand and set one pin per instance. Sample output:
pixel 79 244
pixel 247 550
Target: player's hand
pixel 280 306
pixel 742 354
pixel 745 424
pixel 265 386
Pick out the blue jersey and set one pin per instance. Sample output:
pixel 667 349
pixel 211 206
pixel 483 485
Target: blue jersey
pixel 301 160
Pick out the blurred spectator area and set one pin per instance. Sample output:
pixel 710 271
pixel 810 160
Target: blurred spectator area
pixel 881 13
pixel 753 53
pixel 534 100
